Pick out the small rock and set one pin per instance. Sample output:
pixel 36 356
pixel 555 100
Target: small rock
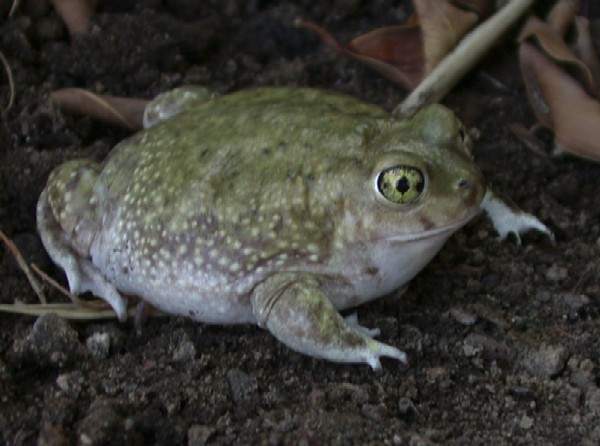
pixel 546 362
pixel 574 302
pixel 98 345
pixel 592 401
pixel 71 383
pixel 526 422
pixel 100 423
pixel 463 317
pixel 198 435
pixel 244 388
pixel 557 273
pixel 52 342
pixel 488 348
pixel 406 407
pixel 185 351
pixel 581 380
pixel 373 412
pixel 436 374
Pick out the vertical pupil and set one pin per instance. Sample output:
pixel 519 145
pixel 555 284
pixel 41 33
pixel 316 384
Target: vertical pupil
pixel 403 185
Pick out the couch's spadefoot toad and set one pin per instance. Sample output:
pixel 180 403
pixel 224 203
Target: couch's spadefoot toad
pixel 275 206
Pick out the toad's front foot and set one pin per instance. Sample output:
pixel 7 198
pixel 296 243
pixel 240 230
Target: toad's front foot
pixel 295 310
pixel 508 219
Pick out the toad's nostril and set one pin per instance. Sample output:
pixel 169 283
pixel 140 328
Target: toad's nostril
pixel 463 183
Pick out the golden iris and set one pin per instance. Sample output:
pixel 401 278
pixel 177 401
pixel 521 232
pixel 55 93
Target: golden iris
pixel 401 184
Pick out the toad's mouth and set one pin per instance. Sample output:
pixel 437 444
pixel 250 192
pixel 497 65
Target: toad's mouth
pixel 430 233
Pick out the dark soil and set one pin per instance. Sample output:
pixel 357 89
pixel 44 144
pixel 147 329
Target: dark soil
pixel 503 340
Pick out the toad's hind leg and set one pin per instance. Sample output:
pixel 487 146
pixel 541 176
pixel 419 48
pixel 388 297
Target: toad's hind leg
pixel 295 310
pixel 65 227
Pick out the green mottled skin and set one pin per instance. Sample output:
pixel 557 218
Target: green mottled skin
pixel 262 206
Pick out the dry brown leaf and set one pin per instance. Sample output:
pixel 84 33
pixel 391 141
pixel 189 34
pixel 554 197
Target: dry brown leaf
pixel 406 54
pixel 561 104
pixel 122 111
pixel 584 49
pixel 563 82
pixel 552 43
pixel 562 14
pixel 75 13
pixel 442 25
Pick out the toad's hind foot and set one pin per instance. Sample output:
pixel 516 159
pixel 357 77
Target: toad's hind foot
pixel 81 273
pixel 295 310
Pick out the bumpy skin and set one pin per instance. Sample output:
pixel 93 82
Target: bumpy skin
pixel 263 206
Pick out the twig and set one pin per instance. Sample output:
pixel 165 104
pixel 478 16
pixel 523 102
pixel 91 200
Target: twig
pixel 23 265
pixel 11 82
pixel 65 310
pixel 53 283
pixel 453 67
pixel 126 112
pixel 14 7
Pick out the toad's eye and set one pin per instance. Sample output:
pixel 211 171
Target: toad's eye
pixel 401 184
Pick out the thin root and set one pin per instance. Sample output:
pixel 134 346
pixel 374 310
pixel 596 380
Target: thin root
pixel 11 82
pixel 65 310
pixel 14 7
pixel 24 267
pixel 54 284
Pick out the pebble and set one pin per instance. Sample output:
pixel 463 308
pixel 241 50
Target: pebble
pixel 71 383
pixel 463 317
pixel 198 434
pixel 547 361
pixel 98 345
pixel 557 273
pixel 574 302
pixel 185 350
pixel 486 347
pixel 526 422
pixel 100 423
pixel 52 342
pixel 244 388
pixel 592 401
pixel 406 407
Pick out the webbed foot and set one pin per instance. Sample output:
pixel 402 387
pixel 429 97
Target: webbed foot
pixel 81 273
pixel 509 219
pixel 297 312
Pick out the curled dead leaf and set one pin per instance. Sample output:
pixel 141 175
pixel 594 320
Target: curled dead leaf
pixel 75 13
pixel 552 43
pixel 405 54
pixel 563 79
pixel 584 49
pixel 561 103
pixel 125 112
pixel 562 14
pixel 395 51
